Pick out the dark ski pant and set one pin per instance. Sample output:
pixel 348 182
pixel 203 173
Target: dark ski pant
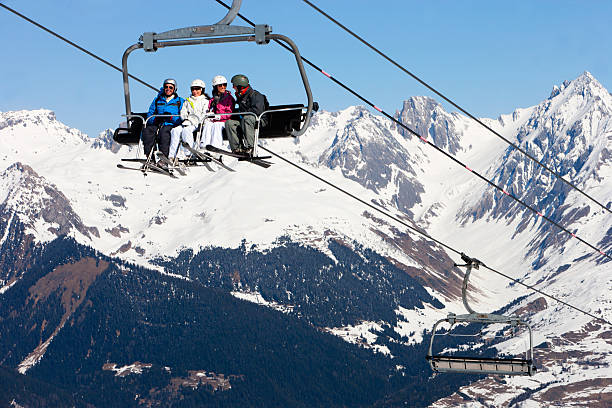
pixel 150 135
pixel 235 132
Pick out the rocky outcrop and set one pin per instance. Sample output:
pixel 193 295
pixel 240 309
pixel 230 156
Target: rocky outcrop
pixel 428 118
pixel 39 205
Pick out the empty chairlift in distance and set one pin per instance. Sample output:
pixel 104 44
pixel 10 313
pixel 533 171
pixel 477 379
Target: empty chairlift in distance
pixel 475 364
pixel 282 121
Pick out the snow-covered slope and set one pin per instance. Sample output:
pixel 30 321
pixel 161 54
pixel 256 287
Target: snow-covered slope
pixel 140 218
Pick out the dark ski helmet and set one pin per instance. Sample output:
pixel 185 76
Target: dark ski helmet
pixel 240 80
pixel 171 82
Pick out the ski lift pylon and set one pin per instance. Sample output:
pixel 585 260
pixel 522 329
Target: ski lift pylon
pixel 283 120
pixel 480 365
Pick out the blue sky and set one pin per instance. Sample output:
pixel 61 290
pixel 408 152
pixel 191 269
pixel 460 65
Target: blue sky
pixel 489 56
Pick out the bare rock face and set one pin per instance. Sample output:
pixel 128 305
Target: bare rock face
pixel 429 119
pixel 39 205
pixel 105 141
pixel 32 212
pixel 570 133
pixel 367 151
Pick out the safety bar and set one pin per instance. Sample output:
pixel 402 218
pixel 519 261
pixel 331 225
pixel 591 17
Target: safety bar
pixel 258 120
pixel 211 115
pixel 146 120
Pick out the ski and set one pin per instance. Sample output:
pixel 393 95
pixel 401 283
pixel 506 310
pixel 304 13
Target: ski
pixel 256 159
pixel 206 157
pixel 151 167
pixel 194 153
pixel 259 160
pixel 162 157
pixel 135 160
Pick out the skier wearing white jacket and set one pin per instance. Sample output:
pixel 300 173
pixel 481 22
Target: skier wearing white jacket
pixel 192 114
pixel 221 103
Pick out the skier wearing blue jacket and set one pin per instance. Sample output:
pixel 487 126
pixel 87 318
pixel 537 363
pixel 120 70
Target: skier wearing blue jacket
pixel 158 129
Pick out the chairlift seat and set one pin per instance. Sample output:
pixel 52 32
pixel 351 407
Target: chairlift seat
pixel 130 135
pixel 481 365
pixel 281 123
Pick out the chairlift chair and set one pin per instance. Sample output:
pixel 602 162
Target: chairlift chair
pixel 282 120
pixel 480 365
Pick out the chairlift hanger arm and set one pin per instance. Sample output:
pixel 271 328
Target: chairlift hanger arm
pixel 298 60
pixel 152 41
pixel 220 29
pixel 231 13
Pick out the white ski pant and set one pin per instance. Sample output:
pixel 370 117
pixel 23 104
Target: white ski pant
pixel 177 134
pixel 212 134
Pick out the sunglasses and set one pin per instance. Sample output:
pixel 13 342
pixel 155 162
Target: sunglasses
pixel 168 86
pixel 223 85
pixel 196 88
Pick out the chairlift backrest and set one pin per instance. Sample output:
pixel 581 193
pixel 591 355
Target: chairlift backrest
pixel 283 122
pixel 130 135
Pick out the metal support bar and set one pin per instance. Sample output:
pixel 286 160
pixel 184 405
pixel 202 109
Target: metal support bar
pixel 298 59
pixel 231 13
pixel 200 31
pixel 126 77
pixel 464 287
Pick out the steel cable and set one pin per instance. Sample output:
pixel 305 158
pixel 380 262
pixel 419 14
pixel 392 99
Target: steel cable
pixel 453 158
pixel 91 54
pixel 455 105
pixel 418 231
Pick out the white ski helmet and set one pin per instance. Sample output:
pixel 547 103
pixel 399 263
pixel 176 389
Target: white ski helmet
pixel 198 82
pixel 218 80
pixel 171 82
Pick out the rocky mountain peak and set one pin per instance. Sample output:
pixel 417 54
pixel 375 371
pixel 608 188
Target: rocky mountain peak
pixel 585 86
pixel 39 127
pixel 26 117
pixel 40 206
pixel 105 141
pixel 429 119
pixel 569 133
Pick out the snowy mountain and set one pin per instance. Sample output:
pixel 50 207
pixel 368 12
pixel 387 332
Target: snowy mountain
pixel 56 181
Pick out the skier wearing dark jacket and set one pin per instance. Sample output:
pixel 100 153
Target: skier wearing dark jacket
pixel 167 102
pixel 241 133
